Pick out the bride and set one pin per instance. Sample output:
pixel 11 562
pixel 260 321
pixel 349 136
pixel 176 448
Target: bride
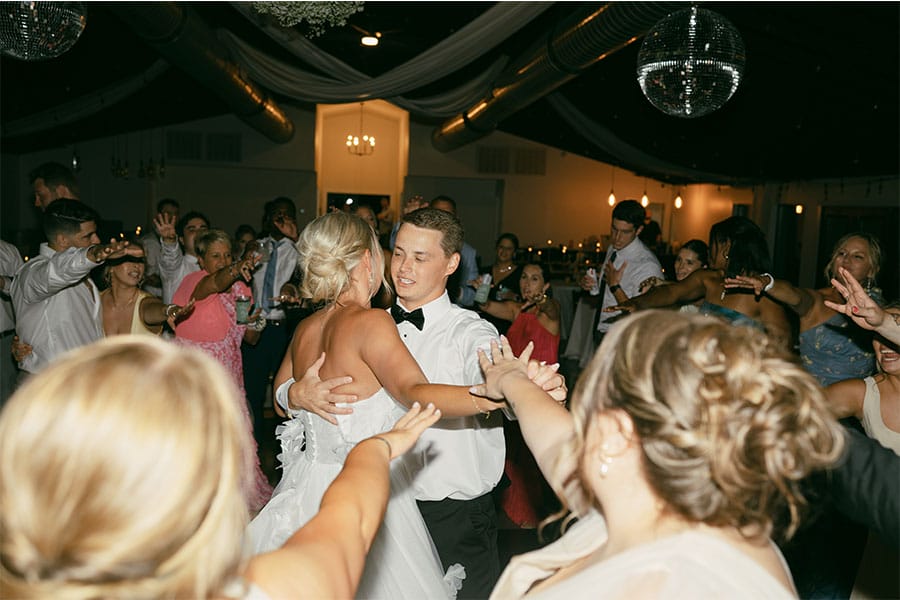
pixel 342 266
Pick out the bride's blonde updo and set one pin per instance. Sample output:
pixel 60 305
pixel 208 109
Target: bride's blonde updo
pixel 122 470
pixel 330 248
pixel 728 424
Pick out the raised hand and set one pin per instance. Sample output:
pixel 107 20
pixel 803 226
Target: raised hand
pixel 164 224
pixel 860 307
pixel 407 430
pixel 175 313
pixel 614 275
pixel 314 395
pixel 114 249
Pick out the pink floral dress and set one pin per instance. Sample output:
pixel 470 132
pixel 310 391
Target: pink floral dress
pixel 213 328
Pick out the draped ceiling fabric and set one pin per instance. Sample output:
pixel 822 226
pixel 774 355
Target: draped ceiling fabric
pixel 636 159
pixel 345 84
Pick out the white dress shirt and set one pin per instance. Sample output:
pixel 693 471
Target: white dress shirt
pixel 642 263
pixel 57 305
pixel 174 265
pixel 285 264
pixel 10 262
pixel 460 458
pixel 152 248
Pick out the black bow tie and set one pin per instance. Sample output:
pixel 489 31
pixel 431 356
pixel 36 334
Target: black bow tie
pixel 416 317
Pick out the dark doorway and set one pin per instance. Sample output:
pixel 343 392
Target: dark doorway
pixel 345 202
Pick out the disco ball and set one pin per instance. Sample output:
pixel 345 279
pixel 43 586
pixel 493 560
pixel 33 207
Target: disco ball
pixel 691 63
pixel 40 30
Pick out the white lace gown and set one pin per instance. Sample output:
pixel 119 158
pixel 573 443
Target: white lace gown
pixel 402 562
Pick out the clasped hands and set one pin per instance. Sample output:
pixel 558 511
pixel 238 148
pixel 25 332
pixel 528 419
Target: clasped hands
pixel 319 397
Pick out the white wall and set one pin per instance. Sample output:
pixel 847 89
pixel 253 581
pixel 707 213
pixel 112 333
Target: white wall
pixel 568 204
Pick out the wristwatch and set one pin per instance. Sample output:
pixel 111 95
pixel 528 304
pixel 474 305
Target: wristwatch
pixel 615 288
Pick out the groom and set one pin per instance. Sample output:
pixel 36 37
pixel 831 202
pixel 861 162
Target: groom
pixel 461 459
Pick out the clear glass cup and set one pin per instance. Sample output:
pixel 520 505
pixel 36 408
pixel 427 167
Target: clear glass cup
pixel 242 309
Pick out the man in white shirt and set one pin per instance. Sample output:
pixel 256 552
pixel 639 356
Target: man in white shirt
pixel 152 248
pixel 10 262
pixel 176 263
pixel 57 305
pixel 627 263
pixel 262 360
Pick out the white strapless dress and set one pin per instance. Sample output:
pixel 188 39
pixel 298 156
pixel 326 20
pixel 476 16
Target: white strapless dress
pixel 402 562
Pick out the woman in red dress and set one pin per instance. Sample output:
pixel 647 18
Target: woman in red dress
pixel 528 498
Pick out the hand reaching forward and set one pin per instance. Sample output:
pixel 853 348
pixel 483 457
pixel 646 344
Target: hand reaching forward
pixel 502 365
pixel 314 395
pixel 409 427
pixel 114 249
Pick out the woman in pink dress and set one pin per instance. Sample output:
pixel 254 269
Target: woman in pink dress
pixel 213 325
pixel 528 498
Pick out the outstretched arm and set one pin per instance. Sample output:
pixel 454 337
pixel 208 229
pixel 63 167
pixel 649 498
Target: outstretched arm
pixel 546 425
pixel 799 300
pixel 325 558
pixel 689 289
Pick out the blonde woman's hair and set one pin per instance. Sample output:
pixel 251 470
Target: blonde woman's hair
pixel 330 247
pixel 728 424
pixel 122 467
pixel 210 237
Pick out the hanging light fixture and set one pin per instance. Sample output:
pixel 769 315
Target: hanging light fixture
pixel 612 185
pixel 360 144
pixel 645 200
pixel 678 201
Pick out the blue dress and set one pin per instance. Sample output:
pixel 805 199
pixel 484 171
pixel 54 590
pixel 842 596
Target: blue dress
pixel 732 316
pixel 836 350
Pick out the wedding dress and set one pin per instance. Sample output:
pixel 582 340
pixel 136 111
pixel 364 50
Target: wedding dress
pixel 402 562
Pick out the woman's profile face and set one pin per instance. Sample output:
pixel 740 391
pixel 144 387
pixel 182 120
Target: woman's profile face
pixel 686 263
pixel 242 241
pixel 718 255
pixel 532 283
pixel 855 256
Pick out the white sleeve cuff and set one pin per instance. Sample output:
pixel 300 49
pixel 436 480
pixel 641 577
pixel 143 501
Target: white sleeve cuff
pixel 281 397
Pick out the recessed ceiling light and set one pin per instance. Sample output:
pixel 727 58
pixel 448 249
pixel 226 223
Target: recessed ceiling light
pixel 369 40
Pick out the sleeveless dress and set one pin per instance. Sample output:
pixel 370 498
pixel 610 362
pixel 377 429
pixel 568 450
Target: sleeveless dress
pixel 137 323
pixel 836 350
pixel 528 498
pixel 402 562
pixel 872 420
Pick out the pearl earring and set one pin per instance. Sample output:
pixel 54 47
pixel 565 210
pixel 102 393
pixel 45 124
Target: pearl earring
pixel 605 460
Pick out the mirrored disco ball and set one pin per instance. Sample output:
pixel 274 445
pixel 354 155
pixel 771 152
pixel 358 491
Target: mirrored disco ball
pixel 691 63
pixel 40 30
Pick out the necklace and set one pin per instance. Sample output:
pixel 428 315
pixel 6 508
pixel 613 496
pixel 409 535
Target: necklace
pixel 505 269
pixel 127 304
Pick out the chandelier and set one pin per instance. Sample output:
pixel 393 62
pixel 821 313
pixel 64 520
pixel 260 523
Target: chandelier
pixel 360 144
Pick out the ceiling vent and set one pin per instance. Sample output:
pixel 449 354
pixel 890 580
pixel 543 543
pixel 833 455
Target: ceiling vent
pixel 184 145
pixel 223 147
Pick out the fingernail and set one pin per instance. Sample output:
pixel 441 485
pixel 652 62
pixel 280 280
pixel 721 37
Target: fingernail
pixel 415 405
pixel 855 309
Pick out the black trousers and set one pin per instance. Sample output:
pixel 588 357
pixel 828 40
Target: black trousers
pixel 465 532
pixel 260 362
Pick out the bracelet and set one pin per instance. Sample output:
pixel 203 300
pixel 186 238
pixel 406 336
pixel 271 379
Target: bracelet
pixel 390 448
pixel 771 283
pixel 171 309
pixel 479 409
pixel 259 324
pixel 615 288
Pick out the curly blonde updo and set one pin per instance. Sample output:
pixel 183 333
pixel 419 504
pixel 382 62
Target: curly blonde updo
pixel 330 248
pixel 122 470
pixel 728 424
